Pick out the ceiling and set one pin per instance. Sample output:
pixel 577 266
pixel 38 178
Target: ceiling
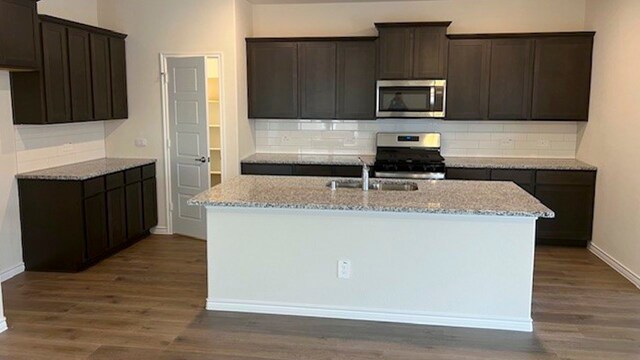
pixel 269 2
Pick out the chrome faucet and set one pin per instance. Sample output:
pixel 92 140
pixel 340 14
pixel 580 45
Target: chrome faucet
pixel 365 175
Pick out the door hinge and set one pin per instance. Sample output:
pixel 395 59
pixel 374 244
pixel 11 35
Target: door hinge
pixel 163 76
pixel 170 206
pixel 168 143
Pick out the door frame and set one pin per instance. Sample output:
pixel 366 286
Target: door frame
pixel 165 126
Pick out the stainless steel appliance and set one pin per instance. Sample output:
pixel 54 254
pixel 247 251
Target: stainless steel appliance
pixel 411 98
pixel 409 156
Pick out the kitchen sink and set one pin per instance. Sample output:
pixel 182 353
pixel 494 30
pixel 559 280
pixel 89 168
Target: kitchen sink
pixel 373 185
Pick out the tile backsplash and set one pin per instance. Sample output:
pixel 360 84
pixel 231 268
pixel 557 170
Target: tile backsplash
pixel 39 146
pixel 471 138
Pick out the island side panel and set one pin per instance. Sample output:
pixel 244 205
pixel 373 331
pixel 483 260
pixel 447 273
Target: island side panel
pixel 3 321
pixel 454 270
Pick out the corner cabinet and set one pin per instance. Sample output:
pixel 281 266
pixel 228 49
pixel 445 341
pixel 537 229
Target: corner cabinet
pixel 542 76
pixel 19 35
pixel 82 76
pixel 68 225
pixel 311 78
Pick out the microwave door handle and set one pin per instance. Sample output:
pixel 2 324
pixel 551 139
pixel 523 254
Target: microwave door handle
pixel 432 98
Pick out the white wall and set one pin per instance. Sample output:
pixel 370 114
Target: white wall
pixel 511 138
pixel 610 139
pixel 167 26
pixel 468 16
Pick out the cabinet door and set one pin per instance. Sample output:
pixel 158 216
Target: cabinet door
pixel 468 174
pixel 150 203
pixel 468 80
pixel 80 75
pixel 356 88
pixel 95 217
pixel 570 194
pixel 430 52
pixel 56 73
pixel 120 109
pixel 117 216
pixel 523 178
pixel 101 76
pixel 562 78
pixel 511 71
pixel 317 61
pixel 396 53
pixel 135 221
pixel 273 79
pixel 18 34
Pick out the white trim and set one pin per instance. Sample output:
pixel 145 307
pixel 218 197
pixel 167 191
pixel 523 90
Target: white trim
pixel 165 125
pixel 615 264
pixel 3 325
pixel 160 230
pixel 420 318
pixel 11 272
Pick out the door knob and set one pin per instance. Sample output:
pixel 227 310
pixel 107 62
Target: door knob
pixel 202 159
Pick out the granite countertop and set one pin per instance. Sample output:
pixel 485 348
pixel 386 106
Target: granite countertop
pixel 451 161
pixel 495 198
pixel 308 159
pixel 517 163
pixel 85 170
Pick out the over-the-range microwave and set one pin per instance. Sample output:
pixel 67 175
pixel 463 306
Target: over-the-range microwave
pixel 411 98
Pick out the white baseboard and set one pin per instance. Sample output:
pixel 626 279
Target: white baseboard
pixel 525 325
pixel 3 324
pixel 160 230
pixel 615 264
pixel 11 272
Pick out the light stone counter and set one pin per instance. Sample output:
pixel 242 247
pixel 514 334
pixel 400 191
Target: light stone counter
pixel 308 159
pixel 437 197
pixel 85 170
pixel 517 163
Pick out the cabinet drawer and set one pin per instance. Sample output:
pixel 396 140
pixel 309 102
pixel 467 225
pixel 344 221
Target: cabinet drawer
pixel 468 174
pixel 566 177
pixel 312 170
pixel 267 169
pixel 133 175
pixel 93 186
pixel 524 177
pixel 115 180
pixel 149 171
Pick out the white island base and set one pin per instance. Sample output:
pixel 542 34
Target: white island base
pixel 420 268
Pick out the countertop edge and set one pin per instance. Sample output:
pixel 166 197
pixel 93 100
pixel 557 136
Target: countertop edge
pixel 32 175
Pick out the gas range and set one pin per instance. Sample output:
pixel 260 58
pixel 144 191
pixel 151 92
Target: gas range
pixel 409 156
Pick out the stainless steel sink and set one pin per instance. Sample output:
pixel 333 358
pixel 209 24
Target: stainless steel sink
pixel 374 185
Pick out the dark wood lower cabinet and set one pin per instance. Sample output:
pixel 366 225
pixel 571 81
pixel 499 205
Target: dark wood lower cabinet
pixel 302 170
pixel 68 225
pixel 570 194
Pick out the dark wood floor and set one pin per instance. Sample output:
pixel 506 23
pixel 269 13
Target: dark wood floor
pixel 147 303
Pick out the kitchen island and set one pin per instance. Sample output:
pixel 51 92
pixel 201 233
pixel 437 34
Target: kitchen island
pixel 452 253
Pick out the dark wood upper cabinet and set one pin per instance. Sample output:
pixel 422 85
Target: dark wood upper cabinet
pixel 562 77
pixel 80 75
pixel 412 50
pixel 117 53
pixel 101 76
pixel 430 52
pixel 272 72
pixel 356 80
pixel 510 79
pixel 395 53
pixel 19 40
pixel 56 73
pixel 317 66
pixel 468 80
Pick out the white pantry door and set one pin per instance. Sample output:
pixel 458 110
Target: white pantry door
pixel 189 147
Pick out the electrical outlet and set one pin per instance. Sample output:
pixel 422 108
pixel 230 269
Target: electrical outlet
pixel 285 140
pixel 67 148
pixel 344 269
pixel 350 142
pixel 544 143
pixel 506 143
